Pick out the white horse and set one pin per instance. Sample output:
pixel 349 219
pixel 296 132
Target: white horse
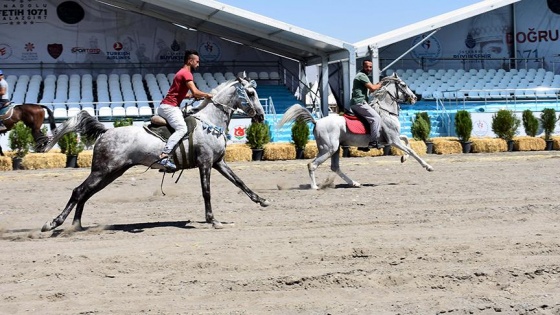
pixel 331 132
pixel 118 149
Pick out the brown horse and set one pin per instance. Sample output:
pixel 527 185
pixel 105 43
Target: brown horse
pixel 32 115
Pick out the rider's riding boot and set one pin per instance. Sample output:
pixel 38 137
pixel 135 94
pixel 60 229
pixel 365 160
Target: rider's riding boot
pixel 371 145
pixel 169 166
pixel 375 145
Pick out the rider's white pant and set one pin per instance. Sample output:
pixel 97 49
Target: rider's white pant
pixel 174 117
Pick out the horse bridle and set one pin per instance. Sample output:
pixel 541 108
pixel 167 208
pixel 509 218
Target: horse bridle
pixel 241 93
pixel 394 98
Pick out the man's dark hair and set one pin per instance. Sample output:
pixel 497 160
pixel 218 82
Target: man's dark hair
pixel 189 54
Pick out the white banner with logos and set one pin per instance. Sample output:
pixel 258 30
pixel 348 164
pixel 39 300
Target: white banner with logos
pixel 82 31
pixel 482 125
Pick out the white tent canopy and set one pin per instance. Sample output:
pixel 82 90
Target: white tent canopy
pixel 304 46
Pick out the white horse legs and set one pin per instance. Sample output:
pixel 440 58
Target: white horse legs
pixel 409 151
pixel 335 167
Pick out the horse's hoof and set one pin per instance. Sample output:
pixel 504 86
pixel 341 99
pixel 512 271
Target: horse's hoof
pixel 429 168
pixel 264 203
pixel 356 184
pixel 48 226
pixel 217 225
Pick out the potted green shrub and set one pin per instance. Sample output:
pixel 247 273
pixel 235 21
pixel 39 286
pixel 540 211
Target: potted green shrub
pixel 548 122
pixel 20 141
pixel 421 130
pixel 257 136
pixel 122 122
pixel 530 123
pixel 300 136
pixel 71 146
pixel 504 125
pixel 463 129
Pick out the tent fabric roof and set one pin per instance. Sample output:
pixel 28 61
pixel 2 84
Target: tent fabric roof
pixel 240 26
pixel 386 39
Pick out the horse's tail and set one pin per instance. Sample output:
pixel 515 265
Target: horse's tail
pixel 83 123
pixel 294 112
pixel 52 123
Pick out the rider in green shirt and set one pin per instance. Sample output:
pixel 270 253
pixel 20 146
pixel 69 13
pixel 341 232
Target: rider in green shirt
pixel 361 86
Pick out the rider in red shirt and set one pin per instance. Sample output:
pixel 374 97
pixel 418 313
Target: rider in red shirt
pixel 169 109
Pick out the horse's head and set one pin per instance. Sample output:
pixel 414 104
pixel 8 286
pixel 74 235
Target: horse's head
pixel 249 99
pixel 241 93
pixel 398 90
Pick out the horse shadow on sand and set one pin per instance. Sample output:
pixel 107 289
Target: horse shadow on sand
pixel 128 227
pixel 328 183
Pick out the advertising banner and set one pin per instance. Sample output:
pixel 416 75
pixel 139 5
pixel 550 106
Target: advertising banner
pixel 80 32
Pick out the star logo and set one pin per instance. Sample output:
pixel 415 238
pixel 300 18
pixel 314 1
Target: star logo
pixel 29 47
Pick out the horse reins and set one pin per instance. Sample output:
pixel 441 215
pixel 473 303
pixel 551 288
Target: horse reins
pixel 394 98
pixel 241 93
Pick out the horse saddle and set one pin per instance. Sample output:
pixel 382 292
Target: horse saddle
pixel 355 123
pixel 158 127
pixel 4 110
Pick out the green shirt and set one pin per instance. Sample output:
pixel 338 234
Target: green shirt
pixel 359 89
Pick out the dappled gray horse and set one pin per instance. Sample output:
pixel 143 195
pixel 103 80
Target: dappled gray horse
pixel 331 132
pixel 118 149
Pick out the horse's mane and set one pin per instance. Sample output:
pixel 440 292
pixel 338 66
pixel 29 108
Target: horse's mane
pixel 214 91
pixel 222 86
pixel 384 81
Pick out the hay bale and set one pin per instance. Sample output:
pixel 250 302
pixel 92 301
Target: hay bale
pixel 447 145
pixel 85 158
pixel 277 151
pixel 311 150
pixel 354 152
pixel 556 142
pixel 36 161
pixel 5 163
pixel 488 145
pixel 417 145
pixel 528 144
pixel 238 152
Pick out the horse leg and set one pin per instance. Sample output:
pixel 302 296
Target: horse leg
pixel 321 157
pixel 228 173
pixel 335 167
pixel 404 139
pixel 96 181
pixel 408 150
pixel 1 152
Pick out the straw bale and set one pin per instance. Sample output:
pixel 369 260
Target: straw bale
pixel 528 144
pixel 447 145
pixel 238 152
pixel 488 145
pixel 35 161
pixel 275 151
pixel 556 142
pixel 85 158
pixel 311 150
pixel 5 163
pixel 417 145
pixel 354 152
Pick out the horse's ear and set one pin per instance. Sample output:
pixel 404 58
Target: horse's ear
pixel 395 75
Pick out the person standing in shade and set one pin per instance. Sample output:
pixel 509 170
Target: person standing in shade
pixel 4 96
pixel 360 90
pixel 182 85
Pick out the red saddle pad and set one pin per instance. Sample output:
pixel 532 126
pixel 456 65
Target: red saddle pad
pixel 354 125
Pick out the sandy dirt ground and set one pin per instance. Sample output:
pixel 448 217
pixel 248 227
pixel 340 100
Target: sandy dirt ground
pixel 479 235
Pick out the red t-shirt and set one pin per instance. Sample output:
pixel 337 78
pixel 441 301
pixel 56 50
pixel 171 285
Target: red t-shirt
pixel 179 88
